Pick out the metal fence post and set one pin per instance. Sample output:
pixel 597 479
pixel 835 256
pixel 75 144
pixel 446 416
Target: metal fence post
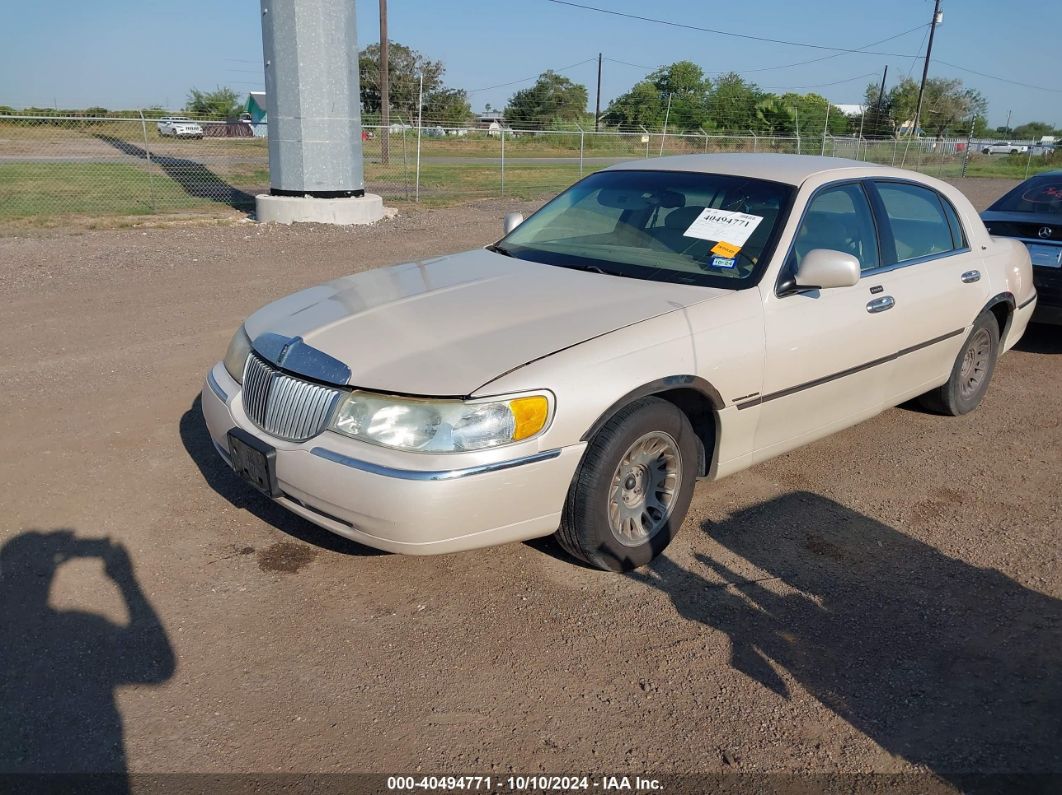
pixel 755 141
pixel 147 153
pixel 405 157
pixel 581 137
pixel 1028 161
pixel 647 136
pixel 969 143
pixel 705 139
pixel 502 161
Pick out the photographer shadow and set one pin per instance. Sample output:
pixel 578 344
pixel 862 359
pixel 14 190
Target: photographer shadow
pixel 953 667
pixel 59 669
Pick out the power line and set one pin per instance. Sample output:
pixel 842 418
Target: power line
pixel 722 32
pixel 825 85
pixel 860 50
pixel 1001 79
pixel 527 79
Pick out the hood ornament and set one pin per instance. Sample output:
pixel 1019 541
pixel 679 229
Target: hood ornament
pixel 295 356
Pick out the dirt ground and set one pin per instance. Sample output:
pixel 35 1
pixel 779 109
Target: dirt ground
pixel 886 600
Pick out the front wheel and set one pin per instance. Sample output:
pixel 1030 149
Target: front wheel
pixel 971 373
pixel 633 488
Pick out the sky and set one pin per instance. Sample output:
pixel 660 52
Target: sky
pixel 133 53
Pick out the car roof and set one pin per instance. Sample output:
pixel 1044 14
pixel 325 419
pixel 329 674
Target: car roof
pixel 789 169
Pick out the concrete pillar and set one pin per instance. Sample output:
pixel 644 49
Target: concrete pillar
pixel 314 123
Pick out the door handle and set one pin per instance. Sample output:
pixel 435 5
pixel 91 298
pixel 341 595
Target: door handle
pixel 881 304
pixel 970 277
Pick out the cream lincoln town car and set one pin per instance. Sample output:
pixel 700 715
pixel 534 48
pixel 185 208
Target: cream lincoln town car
pixel 658 322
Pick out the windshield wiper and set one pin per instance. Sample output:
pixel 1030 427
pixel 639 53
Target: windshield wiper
pixel 499 250
pixel 590 268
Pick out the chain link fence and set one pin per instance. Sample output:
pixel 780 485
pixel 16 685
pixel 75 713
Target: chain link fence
pixel 56 169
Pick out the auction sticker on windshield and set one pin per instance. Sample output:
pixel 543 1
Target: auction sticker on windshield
pixel 724 226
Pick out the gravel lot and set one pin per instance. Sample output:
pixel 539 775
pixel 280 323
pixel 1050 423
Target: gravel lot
pixel 886 600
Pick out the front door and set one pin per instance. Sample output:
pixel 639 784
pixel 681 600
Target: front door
pixel 829 353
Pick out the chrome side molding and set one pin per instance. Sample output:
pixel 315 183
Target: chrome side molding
pixel 429 474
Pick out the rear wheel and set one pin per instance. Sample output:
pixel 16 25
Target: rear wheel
pixel 971 373
pixel 633 487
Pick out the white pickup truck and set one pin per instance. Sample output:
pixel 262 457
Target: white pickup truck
pixel 1003 148
pixel 179 128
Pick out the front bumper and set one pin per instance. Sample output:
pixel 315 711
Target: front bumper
pixel 405 502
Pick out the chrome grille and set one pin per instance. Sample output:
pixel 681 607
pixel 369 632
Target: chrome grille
pixel 285 406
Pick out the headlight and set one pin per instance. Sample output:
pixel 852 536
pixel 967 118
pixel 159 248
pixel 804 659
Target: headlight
pixel 440 426
pixel 236 355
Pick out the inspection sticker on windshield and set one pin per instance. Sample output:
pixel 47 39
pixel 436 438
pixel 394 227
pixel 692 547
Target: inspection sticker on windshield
pixel 723 262
pixel 724 226
pixel 725 249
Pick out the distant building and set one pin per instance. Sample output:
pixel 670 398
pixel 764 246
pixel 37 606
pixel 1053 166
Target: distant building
pixel 489 117
pixel 256 109
pixel 852 110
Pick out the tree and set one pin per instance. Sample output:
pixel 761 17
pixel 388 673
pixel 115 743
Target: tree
pixel 733 103
pixel 947 106
pixel 775 117
pixel 222 102
pixel 553 97
pixel 448 106
pixel 646 104
pixel 1033 130
pixel 690 93
pixel 642 106
pixel 404 66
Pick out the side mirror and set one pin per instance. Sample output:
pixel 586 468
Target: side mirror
pixel 823 268
pixel 512 220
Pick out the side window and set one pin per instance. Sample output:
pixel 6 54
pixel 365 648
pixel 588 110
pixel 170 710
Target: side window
pixel 839 219
pixel 919 226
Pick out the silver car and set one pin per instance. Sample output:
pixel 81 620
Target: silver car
pixel 658 322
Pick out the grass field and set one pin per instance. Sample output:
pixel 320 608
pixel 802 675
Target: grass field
pixel 46 190
pixel 48 174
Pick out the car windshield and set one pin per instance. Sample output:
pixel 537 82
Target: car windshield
pixel 1038 195
pixel 675 226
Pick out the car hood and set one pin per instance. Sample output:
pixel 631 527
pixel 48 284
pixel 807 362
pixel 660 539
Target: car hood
pixel 448 326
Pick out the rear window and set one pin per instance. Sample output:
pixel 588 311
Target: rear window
pixel 919 225
pixel 1037 195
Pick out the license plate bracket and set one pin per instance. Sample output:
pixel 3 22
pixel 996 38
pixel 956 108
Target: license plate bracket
pixel 254 461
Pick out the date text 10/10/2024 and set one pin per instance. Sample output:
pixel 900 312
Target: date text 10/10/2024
pixel 522 783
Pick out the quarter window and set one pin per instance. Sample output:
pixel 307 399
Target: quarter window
pixel 920 227
pixel 838 219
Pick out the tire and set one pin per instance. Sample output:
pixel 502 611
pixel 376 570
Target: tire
pixel 971 373
pixel 649 446
pixel 986 151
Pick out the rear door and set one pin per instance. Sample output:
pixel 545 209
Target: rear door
pixel 935 279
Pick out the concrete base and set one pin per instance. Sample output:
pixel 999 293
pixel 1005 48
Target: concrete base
pixel 365 209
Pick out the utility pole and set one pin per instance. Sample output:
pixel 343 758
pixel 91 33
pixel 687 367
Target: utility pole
pixel 385 89
pixel 937 17
pixel 597 107
pixel 881 97
pixel 826 128
pixel 1007 133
